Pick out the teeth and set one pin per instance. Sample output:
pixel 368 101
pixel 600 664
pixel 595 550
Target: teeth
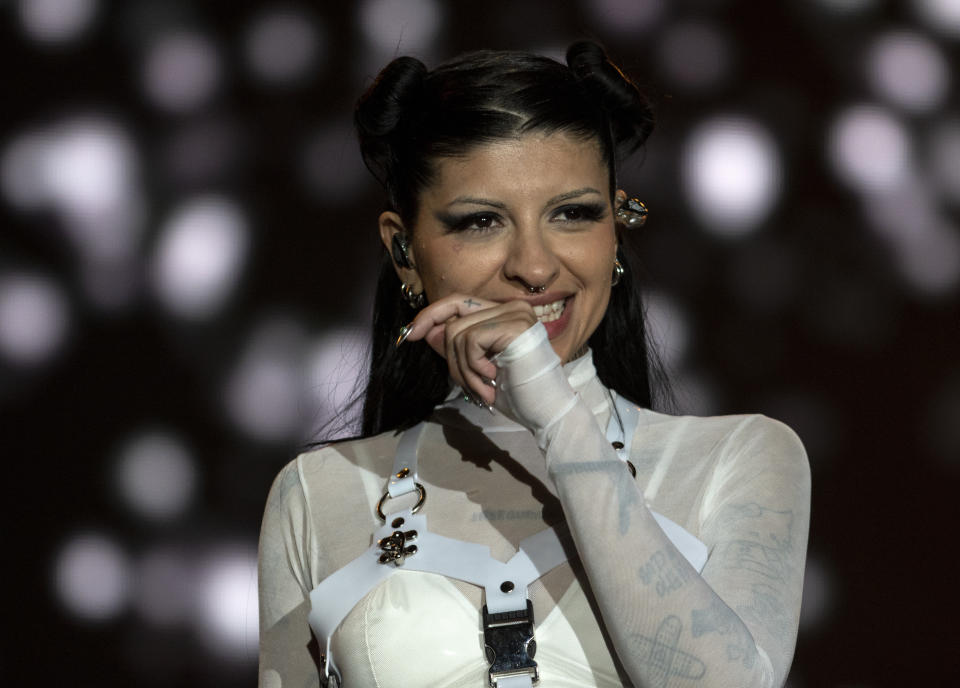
pixel 549 312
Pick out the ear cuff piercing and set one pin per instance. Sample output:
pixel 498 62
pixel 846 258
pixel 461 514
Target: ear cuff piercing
pixel 632 213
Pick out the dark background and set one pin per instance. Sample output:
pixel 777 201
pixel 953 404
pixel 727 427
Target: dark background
pixel 187 251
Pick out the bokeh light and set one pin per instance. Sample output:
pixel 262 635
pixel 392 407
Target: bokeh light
pixel 34 318
pixel 819 591
pixel 202 153
pixel 200 256
pixel 227 616
pixel 282 46
pixel 732 174
pixel 22 171
pixel 405 25
pixel 181 71
pixel 625 16
pixel 92 577
pixel 89 174
pixel 56 21
pixel 940 15
pixel 926 245
pixel 942 155
pixel 870 149
pixel 265 390
pixel 85 169
pixel 694 55
pixel 165 587
pixel 331 166
pixel 156 475
pixel 908 70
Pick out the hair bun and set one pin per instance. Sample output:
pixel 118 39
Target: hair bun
pixel 383 108
pixel 631 117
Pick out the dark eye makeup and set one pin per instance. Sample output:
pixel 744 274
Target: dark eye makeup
pixel 485 220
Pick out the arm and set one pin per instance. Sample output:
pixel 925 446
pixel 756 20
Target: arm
pixel 285 637
pixel 734 624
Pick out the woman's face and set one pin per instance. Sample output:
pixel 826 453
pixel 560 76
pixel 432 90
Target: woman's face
pixel 514 214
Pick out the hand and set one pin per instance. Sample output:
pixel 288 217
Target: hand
pixel 468 331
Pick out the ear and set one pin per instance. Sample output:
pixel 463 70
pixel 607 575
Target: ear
pixel 619 198
pixel 390 226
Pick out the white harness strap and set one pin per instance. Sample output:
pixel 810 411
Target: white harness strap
pixel 505 584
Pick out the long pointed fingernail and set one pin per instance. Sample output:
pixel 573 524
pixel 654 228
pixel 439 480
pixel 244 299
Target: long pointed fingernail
pixel 490 383
pixel 404 333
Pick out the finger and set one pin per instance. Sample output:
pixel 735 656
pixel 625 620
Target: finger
pixel 455 305
pixel 476 368
pixel 475 345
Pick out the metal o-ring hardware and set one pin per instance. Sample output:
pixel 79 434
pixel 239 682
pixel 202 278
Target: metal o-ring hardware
pixel 506 586
pixel 421 498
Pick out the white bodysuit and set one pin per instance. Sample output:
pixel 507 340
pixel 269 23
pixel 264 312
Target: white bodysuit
pixel 739 483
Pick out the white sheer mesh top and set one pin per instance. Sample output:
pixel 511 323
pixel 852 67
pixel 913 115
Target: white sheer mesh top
pixel 487 482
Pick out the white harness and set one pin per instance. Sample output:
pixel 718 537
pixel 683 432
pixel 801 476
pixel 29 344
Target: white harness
pixel 404 540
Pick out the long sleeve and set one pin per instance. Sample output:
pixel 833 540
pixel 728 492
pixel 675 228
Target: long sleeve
pixel 735 623
pixel 284 581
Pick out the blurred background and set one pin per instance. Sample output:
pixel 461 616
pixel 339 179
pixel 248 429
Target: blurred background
pixel 187 255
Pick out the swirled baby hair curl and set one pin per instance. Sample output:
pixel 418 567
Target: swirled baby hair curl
pixel 411 116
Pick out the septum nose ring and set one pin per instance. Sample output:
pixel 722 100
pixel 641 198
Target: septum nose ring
pixel 533 290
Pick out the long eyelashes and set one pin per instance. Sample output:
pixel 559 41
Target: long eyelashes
pixel 486 221
pixel 582 212
pixel 472 222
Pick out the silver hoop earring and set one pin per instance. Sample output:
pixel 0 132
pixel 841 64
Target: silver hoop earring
pixel 617 273
pixel 416 300
pixel 632 213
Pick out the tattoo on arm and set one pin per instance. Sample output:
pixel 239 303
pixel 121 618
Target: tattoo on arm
pixel 470 303
pixel 767 611
pixel 662 657
pixel 667 569
pixel 719 618
pixel 763 545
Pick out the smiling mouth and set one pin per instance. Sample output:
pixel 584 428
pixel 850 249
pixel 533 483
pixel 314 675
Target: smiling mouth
pixel 550 311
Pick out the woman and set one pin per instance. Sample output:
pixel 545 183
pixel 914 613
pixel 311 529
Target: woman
pixel 625 546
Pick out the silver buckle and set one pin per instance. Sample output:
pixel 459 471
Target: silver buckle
pixel 509 644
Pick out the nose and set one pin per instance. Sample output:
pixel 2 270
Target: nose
pixel 531 262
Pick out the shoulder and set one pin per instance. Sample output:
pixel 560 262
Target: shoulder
pixel 746 438
pixel 319 464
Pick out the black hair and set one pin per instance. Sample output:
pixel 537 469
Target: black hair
pixel 410 117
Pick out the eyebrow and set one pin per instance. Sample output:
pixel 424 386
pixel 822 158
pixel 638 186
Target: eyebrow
pixel 566 196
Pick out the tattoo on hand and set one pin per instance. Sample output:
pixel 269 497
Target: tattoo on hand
pixel 667 569
pixel 662 657
pixel 470 303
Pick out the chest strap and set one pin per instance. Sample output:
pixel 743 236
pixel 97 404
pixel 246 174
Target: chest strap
pixel 507 616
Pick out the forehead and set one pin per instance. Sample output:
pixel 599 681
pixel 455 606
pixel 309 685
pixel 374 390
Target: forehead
pixel 530 165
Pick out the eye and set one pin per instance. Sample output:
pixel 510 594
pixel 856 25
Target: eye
pixel 475 222
pixel 584 212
